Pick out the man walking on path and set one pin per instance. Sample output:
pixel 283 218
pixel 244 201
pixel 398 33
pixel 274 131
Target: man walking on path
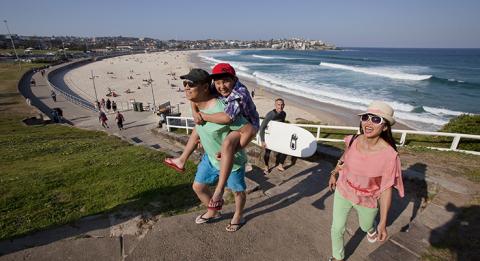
pixel 120 119
pixel 102 117
pixel 54 96
pixel 197 90
pixel 276 115
pixel 108 105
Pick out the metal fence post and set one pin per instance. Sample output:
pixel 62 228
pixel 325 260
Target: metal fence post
pixel 403 138
pixel 318 132
pixel 186 125
pixel 455 142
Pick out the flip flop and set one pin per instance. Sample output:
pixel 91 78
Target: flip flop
pixel 235 227
pixel 201 220
pixel 169 163
pixel 372 236
pixel 216 205
pixel 266 171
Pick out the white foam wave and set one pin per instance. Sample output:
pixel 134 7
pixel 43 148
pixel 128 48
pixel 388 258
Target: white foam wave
pixel 322 92
pixel 233 52
pixel 399 106
pixel 383 72
pixel 423 118
pixel 212 61
pixel 246 75
pixel 330 94
pixel 272 57
pixel 439 111
pixel 455 80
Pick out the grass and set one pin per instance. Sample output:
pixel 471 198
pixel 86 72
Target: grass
pixel 52 174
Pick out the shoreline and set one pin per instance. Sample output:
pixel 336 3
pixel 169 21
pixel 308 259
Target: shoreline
pixel 129 73
pixel 325 113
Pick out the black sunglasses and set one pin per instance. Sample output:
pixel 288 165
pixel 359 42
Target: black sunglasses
pixel 190 83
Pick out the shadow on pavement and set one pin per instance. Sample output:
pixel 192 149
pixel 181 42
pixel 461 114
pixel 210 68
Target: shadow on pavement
pixel 460 236
pixel 312 183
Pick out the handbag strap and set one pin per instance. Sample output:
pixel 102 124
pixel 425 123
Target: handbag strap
pixel 352 139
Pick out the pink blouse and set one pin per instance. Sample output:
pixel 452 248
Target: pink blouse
pixel 365 176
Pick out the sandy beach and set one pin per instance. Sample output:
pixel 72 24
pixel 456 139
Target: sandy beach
pixel 127 76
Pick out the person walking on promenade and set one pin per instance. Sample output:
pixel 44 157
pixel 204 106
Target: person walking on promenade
pixel 114 106
pixel 102 104
pixel 277 114
pixel 212 135
pixel 102 117
pixel 108 105
pixel 120 119
pixel 238 103
pixel 368 169
pixel 54 96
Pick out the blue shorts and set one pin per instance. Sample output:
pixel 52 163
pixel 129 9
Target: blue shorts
pixel 208 174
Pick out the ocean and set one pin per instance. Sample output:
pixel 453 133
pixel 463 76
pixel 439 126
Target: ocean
pixel 426 87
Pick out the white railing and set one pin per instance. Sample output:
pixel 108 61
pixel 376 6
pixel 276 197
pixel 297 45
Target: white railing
pixel 453 146
pixel 121 105
pixel 74 98
pixel 177 122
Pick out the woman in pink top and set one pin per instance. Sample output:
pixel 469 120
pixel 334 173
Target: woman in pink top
pixel 368 169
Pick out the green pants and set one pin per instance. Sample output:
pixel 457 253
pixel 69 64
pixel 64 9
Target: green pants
pixel 341 208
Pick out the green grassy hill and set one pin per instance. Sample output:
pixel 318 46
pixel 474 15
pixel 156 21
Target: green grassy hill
pixel 53 174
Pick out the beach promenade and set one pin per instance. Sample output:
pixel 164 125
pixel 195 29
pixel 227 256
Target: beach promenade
pixel 288 215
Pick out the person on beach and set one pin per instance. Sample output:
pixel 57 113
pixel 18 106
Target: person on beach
pixel 238 103
pixel 54 96
pixel 108 105
pixel 211 136
pixel 277 114
pixel 102 103
pixel 114 106
pixel 120 119
pixel 102 117
pixel 368 169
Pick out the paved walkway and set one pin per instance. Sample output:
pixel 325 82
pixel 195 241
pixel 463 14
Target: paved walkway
pixel 287 219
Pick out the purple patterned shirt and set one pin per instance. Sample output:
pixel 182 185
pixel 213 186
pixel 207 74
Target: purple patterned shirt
pixel 239 102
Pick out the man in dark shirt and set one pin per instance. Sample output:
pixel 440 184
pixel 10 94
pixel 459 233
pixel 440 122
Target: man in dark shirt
pixel 275 115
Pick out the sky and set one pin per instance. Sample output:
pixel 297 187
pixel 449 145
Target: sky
pixel 347 23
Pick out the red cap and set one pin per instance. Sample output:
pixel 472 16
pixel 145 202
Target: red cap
pixel 223 68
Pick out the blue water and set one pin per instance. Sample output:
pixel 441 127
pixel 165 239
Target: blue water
pixel 426 87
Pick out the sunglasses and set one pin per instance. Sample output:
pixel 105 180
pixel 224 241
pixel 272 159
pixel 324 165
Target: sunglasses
pixel 373 118
pixel 189 83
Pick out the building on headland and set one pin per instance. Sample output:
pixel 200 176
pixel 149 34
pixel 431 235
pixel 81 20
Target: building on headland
pixel 38 46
